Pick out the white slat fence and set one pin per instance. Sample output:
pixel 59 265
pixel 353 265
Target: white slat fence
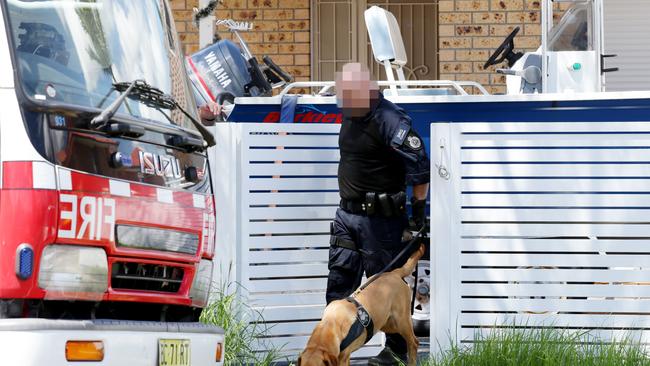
pixel 540 224
pixel 286 191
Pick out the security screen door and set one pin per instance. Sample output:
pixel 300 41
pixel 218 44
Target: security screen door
pixel 339 36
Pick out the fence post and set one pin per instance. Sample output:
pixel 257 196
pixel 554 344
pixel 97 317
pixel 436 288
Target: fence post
pixel 443 258
pixel 225 171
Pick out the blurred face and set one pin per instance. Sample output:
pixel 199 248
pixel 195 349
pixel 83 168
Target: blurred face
pixel 355 92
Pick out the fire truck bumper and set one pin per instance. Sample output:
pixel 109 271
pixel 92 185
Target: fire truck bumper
pixel 28 342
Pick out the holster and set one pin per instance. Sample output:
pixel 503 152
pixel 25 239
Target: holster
pixel 399 202
pixel 386 205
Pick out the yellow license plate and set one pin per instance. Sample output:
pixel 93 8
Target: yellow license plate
pixel 174 352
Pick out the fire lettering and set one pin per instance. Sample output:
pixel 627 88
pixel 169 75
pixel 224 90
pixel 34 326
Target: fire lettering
pixel 87 210
pixel 85 217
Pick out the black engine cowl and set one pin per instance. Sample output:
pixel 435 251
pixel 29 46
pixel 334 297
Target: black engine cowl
pixel 221 68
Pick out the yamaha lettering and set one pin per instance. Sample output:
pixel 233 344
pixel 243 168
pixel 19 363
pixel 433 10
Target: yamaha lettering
pixel 217 70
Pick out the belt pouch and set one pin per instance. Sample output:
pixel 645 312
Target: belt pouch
pixel 371 203
pixel 385 204
pixel 399 202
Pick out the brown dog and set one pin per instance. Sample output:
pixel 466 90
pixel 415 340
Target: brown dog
pixel 387 300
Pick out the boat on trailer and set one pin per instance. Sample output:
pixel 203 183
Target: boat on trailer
pixel 563 81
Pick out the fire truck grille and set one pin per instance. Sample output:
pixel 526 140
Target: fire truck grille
pixel 147 277
pixel 148 238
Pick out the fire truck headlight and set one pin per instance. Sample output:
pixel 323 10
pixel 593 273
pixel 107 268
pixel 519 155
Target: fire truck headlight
pixel 73 269
pixel 200 291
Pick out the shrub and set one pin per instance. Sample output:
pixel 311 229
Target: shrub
pixel 244 328
pixel 542 347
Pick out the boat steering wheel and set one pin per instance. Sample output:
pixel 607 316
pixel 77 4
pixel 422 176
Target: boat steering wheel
pixel 505 51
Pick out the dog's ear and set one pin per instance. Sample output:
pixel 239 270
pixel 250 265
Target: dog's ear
pixel 298 362
pixel 331 360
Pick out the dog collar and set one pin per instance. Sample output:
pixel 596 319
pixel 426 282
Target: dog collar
pixel 362 322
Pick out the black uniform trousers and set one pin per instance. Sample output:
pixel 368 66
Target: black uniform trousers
pixel 378 240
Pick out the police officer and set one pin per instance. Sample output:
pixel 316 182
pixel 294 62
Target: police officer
pixel 380 156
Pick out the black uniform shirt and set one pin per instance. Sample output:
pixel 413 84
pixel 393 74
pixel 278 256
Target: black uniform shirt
pixel 380 153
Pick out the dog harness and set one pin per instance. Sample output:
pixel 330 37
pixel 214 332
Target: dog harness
pixel 362 321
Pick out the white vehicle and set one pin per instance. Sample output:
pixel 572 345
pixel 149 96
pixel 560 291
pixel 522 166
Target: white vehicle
pixel 107 217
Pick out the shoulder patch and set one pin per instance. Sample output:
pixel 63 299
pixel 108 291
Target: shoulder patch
pixel 413 141
pixel 401 134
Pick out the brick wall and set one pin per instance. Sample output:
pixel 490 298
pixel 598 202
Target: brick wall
pixel 183 17
pixel 281 29
pixel 470 30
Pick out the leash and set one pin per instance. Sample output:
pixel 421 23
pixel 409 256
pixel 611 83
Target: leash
pixel 397 257
pixel 415 287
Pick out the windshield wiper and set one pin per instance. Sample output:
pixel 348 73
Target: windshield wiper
pixel 102 119
pixel 152 97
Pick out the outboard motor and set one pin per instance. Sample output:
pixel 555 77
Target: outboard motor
pixel 223 71
pixel 220 72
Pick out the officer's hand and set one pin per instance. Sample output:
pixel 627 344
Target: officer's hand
pixel 418 213
pixel 209 113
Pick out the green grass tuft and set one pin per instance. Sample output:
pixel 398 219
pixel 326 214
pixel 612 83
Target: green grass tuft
pixel 542 347
pixel 243 326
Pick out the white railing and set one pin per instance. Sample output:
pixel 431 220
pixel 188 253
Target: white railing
pixel 326 86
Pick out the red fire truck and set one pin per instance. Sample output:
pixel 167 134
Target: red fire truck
pixel 107 221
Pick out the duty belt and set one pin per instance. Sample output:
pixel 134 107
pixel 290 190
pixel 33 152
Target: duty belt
pixel 377 204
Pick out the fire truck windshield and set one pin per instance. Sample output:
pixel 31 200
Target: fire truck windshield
pixel 72 51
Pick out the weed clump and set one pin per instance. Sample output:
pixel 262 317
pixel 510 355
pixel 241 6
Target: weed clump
pixel 513 346
pixel 244 328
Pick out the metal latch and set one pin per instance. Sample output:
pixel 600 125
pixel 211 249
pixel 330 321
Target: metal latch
pixel 443 172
